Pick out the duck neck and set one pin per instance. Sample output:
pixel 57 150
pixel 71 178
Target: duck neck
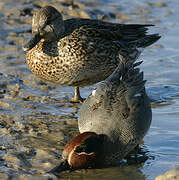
pixel 61 32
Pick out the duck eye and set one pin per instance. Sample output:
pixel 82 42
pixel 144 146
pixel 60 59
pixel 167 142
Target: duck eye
pixel 80 149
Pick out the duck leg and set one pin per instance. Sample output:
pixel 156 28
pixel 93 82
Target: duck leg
pixel 77 98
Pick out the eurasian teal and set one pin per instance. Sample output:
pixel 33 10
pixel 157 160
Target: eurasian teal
pixel 80 52
pixel 112 121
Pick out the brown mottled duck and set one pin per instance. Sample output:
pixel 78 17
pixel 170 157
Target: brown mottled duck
pixel 80 52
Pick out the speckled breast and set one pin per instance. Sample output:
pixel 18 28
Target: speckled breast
pixel 70 63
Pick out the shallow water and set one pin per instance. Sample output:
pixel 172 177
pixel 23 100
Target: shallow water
pixel 36 119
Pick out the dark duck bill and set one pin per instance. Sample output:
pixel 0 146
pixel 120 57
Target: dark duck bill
pixel 32 42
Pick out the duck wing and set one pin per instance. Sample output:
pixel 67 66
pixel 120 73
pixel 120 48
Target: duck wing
pixel 123 32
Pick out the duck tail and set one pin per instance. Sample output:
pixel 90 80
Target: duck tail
pixel 126 65
pixel 133 80
pixel 146 41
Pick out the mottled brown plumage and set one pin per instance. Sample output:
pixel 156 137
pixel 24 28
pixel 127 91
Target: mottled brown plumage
pixel 80 52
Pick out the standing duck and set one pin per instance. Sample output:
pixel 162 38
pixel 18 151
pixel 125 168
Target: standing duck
pixel 112 121
pixel 79 52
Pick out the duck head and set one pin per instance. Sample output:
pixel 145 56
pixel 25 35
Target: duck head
pixel 47 23
pixel 84 151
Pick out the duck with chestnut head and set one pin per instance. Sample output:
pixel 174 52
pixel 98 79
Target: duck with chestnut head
pixel 112 121
pixel 80 52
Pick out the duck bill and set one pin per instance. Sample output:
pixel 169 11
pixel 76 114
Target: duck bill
pixel 32 42
pixel 63 166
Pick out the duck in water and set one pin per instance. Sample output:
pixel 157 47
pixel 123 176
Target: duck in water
pixel 112 121
pixel 80 52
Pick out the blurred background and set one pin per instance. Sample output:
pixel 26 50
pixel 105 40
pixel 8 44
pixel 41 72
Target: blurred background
pixel 36 118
